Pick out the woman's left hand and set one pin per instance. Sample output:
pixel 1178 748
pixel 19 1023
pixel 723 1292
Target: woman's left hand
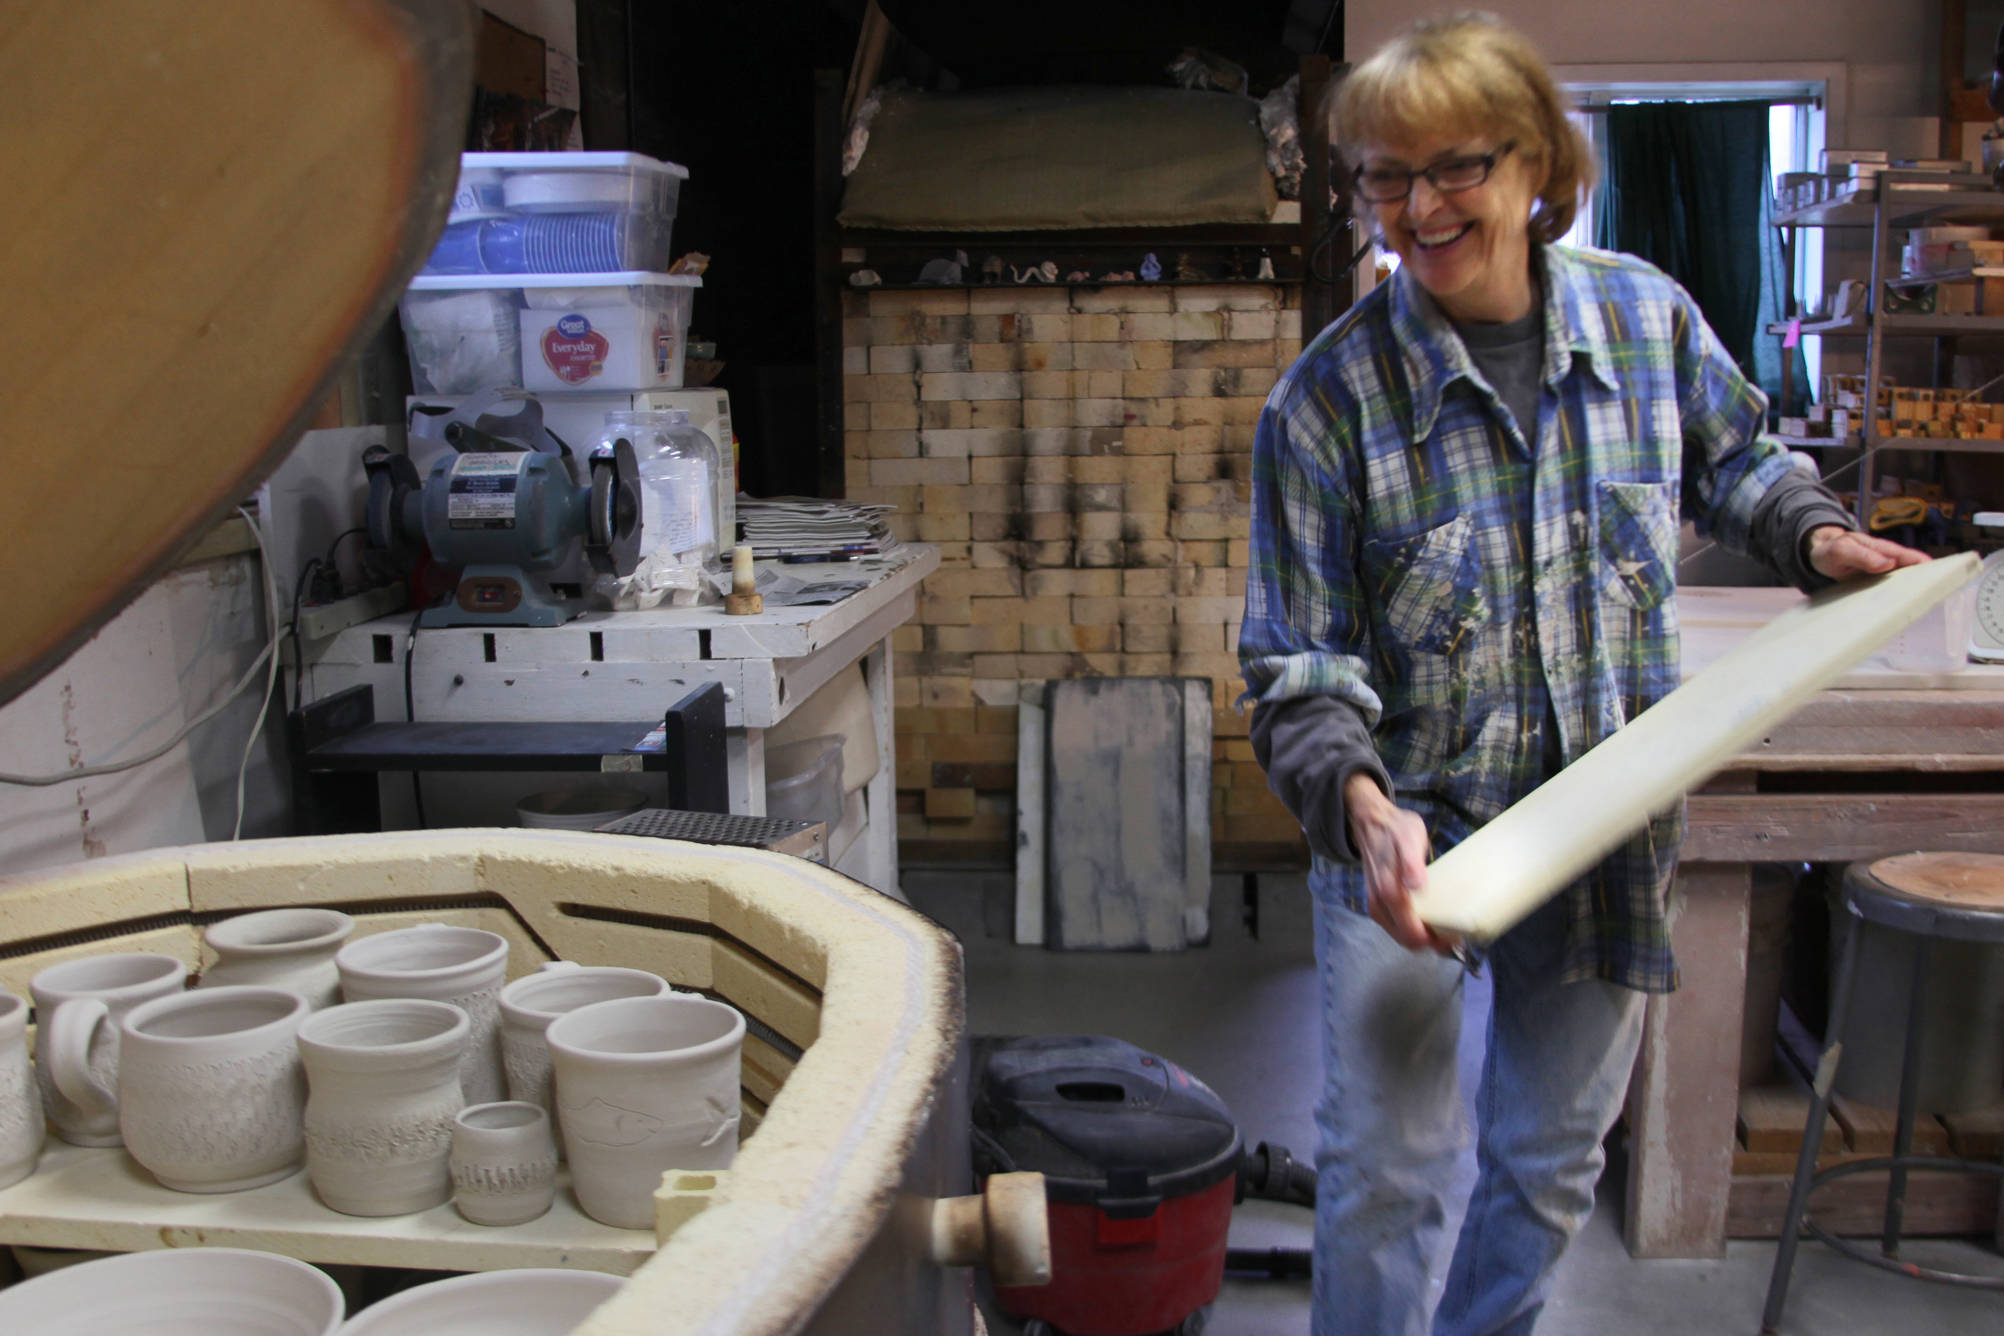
pixel 1839 554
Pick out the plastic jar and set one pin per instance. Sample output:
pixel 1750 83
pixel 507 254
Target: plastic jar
pixel 679 524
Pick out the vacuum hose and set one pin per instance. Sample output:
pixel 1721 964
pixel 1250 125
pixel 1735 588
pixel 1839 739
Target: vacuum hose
pixel 1269 1263
pixel 1271 1173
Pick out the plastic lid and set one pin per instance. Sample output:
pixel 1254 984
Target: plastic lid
pixel 624 278
pixel 1103 1121
pixel 582 162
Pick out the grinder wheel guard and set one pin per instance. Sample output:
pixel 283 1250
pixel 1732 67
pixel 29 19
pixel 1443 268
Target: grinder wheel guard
pixel 216 204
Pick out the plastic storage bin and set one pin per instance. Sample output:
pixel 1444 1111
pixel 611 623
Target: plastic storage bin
pixel 803 780
pixel 545 213
pixel 614 332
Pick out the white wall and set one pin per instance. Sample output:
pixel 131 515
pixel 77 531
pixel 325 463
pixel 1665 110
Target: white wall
pixel 1890 47
pixel 162 661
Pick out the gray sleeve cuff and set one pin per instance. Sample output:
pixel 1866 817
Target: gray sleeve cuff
pixel 1309 747
pixel 1782 522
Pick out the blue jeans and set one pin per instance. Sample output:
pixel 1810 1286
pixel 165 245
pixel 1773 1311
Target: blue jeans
pixel 1554 1076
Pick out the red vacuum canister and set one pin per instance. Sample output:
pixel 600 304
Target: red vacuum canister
pixel 1140 1162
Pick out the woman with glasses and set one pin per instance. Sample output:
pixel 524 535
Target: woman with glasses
pixel 1466 498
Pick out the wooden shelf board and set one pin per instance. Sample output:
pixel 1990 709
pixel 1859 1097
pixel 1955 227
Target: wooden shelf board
pixel 1858 326
pixel 1947 276
pixel 1966 445
pixel 102 1199
pixel 1283 280
pixel 1854 208
pixel 1851 442
pixel 1199 234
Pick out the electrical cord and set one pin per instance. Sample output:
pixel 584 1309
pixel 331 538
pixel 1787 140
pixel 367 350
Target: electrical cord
pixel 270 583
pixel 410 713
pixel 1322 247
pixel 298 650
pixel 345 533
pixel 237 688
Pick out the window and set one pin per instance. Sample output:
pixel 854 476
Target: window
pixel 1795 144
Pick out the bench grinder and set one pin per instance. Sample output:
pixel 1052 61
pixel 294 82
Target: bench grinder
pixel 507 506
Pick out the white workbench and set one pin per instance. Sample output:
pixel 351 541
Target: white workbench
pixel 634 665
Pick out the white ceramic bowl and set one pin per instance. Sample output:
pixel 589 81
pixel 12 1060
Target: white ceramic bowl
pixel 533 1301
pixel 176 1292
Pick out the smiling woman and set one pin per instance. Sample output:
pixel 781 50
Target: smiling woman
pixel 1465 505
pixel 1463 153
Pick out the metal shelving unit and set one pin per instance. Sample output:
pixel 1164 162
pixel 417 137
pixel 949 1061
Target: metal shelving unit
pixel 1898 202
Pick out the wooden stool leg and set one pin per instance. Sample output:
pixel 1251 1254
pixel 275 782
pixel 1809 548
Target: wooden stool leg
pixel 1910 1069
pixel 1812 1131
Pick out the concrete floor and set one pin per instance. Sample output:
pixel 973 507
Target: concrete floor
pixel 1241 1015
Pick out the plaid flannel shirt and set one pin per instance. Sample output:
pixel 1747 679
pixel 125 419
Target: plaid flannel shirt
pixel 1415 555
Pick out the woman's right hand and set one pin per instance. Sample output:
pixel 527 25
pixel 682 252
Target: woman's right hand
pixel 1392 844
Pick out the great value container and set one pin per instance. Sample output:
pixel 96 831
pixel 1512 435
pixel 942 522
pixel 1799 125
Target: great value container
pixel 605 332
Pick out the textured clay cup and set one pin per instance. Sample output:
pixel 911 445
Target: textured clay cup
pixel 645 1085
pixel 439 962
pixel 21 1127
pixel 529 1004
pixel 382 1091
pixel 280 948
pixel 504 1162
pixel 79 1006
pixel 211 1094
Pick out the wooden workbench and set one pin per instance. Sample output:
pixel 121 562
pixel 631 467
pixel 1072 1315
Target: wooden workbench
pixel 633 665
pixel 1885 762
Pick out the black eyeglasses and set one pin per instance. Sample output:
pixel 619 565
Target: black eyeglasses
pixel 1388 185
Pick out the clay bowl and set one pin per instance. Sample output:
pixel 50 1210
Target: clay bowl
pixel 215 1291
pixel 532 1301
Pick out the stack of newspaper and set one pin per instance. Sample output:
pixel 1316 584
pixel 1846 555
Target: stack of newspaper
pixel 803 528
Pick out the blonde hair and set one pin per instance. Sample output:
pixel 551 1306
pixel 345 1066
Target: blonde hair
pixel 1470 74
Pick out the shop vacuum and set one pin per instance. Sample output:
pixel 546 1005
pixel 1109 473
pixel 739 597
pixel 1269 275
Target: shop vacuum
pixel 1142 1165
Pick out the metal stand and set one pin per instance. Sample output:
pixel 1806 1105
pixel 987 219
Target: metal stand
pixel 1924 923
pixel 339 748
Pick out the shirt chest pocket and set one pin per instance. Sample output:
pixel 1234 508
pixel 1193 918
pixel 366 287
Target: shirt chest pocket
pixel 1638 542
pixel 1428 588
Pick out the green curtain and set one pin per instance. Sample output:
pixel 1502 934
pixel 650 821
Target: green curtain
pixel 1687 189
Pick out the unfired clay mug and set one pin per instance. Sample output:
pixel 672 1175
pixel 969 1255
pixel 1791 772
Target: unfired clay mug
pixel 21 1127
pixel 504 1162
pixel 645 1085
pixel 79 1006
pixel 529 1004
pixel 440 962
pixel 280 948
pixel 211 1093
pixel 382 1090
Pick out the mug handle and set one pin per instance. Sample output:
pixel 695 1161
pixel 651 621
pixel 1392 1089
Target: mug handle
pixel 68 1034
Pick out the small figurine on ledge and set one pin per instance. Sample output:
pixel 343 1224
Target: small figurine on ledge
pixel 865 278
pixel 1151 268
pixel 1078 276
pixel 945 272
pixel 1047 272
pixel 991 269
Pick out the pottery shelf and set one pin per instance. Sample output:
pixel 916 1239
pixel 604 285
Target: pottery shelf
pixel 1093 285
pixel 867 1090
pixel 1898 202
pixel 99 1198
